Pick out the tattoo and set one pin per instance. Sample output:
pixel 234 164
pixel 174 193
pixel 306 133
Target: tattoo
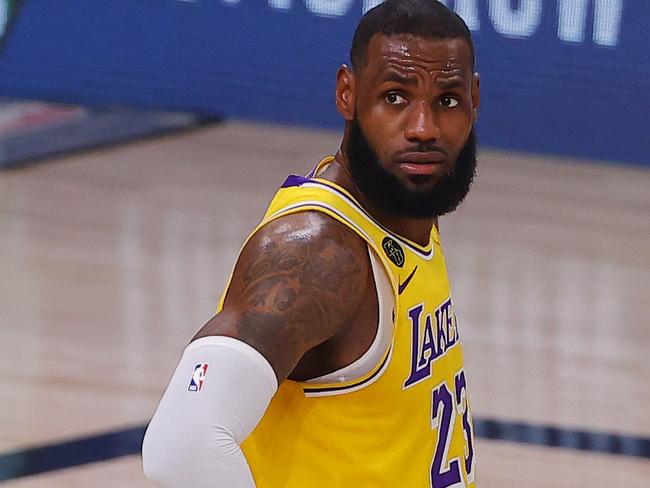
pixel 295 291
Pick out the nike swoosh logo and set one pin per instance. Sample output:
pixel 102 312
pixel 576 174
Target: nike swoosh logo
pixel 402 286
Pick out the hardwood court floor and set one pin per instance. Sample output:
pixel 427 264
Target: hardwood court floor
pixel 111 260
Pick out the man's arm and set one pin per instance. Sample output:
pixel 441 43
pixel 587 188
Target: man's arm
pixel 298 281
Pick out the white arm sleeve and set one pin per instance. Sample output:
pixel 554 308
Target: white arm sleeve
pixel 206 413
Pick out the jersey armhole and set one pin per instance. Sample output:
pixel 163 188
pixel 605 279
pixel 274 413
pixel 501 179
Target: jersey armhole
pixel 369 367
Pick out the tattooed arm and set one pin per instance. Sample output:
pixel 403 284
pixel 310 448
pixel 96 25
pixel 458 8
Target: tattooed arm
pixel 298 282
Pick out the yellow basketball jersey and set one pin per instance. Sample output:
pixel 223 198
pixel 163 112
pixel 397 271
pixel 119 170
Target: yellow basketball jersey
pixel 407 422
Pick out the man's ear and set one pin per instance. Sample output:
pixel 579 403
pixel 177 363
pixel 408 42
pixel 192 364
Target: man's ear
pixel 345 92
pixel 476 96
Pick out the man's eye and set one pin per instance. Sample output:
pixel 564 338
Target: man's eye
pixel 395 99
pixel 449 102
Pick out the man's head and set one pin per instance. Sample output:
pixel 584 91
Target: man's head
pixel 410 102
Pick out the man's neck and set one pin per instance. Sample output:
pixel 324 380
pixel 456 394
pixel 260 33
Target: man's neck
pixel 416 230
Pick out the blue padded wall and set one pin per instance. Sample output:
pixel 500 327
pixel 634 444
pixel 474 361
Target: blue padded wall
pixel 563 77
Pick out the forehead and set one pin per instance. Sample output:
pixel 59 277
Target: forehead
pixel 410 53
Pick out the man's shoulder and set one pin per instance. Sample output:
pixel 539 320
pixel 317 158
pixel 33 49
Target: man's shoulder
pixel 298 281
pixel 309 230
pixel 304 250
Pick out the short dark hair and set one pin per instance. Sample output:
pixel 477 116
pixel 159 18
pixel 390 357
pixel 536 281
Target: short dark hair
pixel 423 18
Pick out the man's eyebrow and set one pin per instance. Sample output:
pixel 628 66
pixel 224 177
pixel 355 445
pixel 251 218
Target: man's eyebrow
pixel 450 84
pixel 446 83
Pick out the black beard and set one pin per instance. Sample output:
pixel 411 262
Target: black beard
pixel 389 194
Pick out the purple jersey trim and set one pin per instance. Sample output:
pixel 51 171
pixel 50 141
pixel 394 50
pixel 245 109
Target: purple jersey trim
pixel 294 180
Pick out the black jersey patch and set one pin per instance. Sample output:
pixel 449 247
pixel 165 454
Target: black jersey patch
pixel 394 251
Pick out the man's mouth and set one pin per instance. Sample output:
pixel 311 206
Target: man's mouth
pixel 421 163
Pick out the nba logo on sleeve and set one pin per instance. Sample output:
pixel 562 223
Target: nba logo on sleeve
pixel 198 377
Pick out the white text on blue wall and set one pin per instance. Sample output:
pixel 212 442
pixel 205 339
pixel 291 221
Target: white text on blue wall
pixel 575 18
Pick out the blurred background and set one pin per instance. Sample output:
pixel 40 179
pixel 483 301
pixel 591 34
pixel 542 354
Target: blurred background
pixel 140 141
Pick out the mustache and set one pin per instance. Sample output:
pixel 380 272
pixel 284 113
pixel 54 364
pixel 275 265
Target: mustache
pixel 422 148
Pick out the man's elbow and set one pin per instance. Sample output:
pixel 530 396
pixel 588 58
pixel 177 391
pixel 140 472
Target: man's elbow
pixel 171 453
pixel 161 460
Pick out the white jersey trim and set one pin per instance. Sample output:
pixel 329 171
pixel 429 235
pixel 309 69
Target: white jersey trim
pixel 377 350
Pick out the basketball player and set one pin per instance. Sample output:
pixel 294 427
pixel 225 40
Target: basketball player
pixel 334 359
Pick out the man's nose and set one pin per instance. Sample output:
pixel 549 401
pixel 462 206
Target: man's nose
pixel 422 124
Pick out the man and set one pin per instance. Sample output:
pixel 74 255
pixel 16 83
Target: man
pixel 341 297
